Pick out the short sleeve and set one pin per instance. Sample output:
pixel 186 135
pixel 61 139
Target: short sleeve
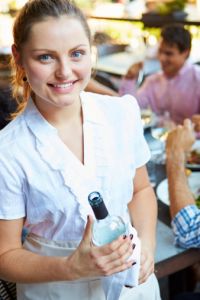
pixel 137 139
pixel 11 191
pixel 186 227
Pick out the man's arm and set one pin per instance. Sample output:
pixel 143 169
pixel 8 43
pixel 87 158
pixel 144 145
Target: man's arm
pixel 129 85
pixel 184 212
pixel 179 191
pixel 96 87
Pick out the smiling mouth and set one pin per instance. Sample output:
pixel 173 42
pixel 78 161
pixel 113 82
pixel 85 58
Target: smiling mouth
pixel 61 85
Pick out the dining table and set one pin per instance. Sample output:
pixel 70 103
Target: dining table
pixel 172 263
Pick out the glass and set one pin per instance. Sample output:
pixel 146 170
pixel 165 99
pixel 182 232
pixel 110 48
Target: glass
pixel 152 166
pixel 159 131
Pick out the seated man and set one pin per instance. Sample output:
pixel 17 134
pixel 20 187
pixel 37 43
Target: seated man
pixel 176 88
pixel 184 212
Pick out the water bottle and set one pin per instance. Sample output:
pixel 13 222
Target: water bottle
pixel 106 228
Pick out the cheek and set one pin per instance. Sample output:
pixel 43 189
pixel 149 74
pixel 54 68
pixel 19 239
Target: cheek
pixel 86 67
pixel 36 74
pixel 175 63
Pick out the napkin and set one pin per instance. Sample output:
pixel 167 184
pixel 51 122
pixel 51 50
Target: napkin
pixel 112 285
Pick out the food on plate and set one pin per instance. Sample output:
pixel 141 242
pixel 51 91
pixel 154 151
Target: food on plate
pixel 188 172
pixel 194 157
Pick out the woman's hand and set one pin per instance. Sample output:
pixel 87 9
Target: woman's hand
pixel 91 261
pixel 146 264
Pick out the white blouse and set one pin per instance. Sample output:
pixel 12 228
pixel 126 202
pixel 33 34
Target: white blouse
pixel 44 182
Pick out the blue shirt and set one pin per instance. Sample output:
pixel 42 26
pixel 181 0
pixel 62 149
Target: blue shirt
pixel 186 227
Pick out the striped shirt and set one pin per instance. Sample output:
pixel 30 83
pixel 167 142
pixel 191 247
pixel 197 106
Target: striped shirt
pixel 186 227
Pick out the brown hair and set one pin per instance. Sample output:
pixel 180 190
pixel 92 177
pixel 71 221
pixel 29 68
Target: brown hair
pixel 32 12
pixel 176 34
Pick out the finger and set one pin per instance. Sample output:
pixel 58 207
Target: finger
pixel 196 118
pixel 87 236
pixel 121 255
pixel 145 277
pixel 113 246
pixel 117 258
pixel 187 124
pixel 179 127
pixel 120 268
pixel 146 271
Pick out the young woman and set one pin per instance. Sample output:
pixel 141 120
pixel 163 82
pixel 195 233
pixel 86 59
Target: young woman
pixel 64 144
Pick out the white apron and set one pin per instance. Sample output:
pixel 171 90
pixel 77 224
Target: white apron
pixel 85 289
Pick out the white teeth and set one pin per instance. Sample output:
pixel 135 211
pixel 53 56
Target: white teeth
pixel 64 85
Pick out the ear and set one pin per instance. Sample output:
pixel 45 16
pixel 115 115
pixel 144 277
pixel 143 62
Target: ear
pixel 186 53
pixel 16 55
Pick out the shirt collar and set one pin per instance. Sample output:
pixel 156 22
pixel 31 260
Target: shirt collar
pixel 91 111
pixel 37 123
pixel 42 128
pixel 181 72
pixel 184 68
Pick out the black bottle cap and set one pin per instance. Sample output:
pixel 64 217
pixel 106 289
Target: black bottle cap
pixel 96 201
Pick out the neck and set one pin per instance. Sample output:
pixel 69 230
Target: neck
pixel 173 74
pixel 61 116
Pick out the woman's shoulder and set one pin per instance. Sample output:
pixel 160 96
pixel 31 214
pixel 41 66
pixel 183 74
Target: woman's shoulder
pixel 113 104
pixel 11 134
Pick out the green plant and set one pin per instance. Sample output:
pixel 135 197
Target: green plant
pixel 171 6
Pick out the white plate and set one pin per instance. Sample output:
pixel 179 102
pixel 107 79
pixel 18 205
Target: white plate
pixel 194 183
pixel 194 166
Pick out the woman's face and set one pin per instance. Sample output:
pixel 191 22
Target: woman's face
pixel 57 61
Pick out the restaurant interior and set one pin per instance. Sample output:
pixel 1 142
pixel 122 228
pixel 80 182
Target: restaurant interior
pixel 124 33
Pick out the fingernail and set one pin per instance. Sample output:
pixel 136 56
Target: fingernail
pixel 133 246
pixel 131 236
pixel 124 236
pixel 134 263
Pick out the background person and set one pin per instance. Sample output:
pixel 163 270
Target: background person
pixel 64 144
pixel 184 212
pixel 176 88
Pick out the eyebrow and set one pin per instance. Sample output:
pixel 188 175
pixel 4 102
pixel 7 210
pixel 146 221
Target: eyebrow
pixel 165 51
pixel 53 51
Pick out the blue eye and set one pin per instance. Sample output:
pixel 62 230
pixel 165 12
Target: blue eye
pixel 77 54
pixel 45 57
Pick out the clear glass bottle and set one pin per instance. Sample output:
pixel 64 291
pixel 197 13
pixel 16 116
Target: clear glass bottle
pixel 106 228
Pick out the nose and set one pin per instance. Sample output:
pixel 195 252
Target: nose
pixel 63 69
